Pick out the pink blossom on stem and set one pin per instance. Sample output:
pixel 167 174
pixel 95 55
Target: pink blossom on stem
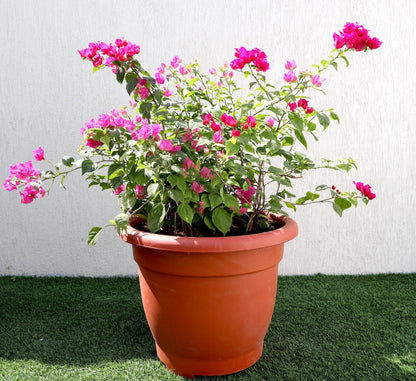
pixel 242 210
pixel 144 92
pixel 160 79
pixel 365 190
pixel 39 154
pixel 271 121
pixel 218 137
pixel 251 121
pixel 205 172
pixel 228 120
pixel 293 106
pixel 290 76
pixel 120 189
pixel 317 81
pixel 139 192
pixel 245 195
pixel 167 145
pixel 235 133
pixel 197 188
pixel 290 65
pixel 30 193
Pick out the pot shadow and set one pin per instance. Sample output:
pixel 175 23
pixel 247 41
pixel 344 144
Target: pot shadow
pixel 73 321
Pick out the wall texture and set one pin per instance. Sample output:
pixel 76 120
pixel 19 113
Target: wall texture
pixel 47 93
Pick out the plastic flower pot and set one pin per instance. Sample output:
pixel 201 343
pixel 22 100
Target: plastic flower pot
pixel 209 301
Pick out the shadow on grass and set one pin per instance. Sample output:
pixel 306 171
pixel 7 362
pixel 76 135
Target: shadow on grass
pixel 72 321
pixel 324 327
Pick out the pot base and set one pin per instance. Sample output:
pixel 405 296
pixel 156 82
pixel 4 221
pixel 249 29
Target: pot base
pixel 190 367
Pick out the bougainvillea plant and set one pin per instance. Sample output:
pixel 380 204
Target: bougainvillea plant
pixel 195 154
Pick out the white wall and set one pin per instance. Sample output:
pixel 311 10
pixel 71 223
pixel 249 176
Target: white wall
pixel 47 93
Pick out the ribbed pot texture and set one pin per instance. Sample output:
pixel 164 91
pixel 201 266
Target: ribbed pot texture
pixel 209 301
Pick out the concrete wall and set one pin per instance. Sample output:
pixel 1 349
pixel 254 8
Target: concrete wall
pixel 47 93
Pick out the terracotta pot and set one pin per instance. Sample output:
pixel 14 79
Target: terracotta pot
pixel 209 301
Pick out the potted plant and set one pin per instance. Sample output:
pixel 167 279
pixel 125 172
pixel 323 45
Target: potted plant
pixel 203 169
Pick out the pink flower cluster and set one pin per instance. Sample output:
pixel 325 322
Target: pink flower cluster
pixel 244 57
pixel 301 103
pixel 245 195
pixel 146 131
pixel 365 190
pixel 122 50
pixel 112 120
pixel 27 174
pixel 355 36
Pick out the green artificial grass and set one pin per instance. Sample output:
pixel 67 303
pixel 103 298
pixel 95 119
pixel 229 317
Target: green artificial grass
pixel 323 328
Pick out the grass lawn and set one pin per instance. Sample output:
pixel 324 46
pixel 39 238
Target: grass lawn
pixel 323 328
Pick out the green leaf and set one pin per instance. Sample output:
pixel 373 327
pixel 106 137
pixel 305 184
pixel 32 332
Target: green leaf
pixel 340 204
pixel 215 199
pixel 297 121
pixel 231 148
pixel 222 220
pixel 346 61
pixel 120 74
pixel 208 223
pixel 145 109
pixel 301 138
pixel 156 217
pixel 121 221
pixel 323 119
pixel 176 195
pixel 334 64
pixel 186 213
pixel 67 161
pixel 334 116
pixel 131 84
pixel 322 187
pixel 88 166
pixel 153 190
pixel 231 201
pixel 113 170
pixel 93 235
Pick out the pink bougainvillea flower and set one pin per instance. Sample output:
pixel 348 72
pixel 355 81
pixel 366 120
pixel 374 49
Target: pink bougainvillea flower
pixel 144 92
pixel 197 188
pixel 24 171
pixel 10 184
pixel 293 106
pixel 251 121
pixel 215 126
pixel 255 56
pixel 242 210
pixel 365 190
pixel 188 164
pixel 120 189
pixel 167 145
pixel 290 76
pixel 317 81
pixel 207 119
pixel 290 65
pixel 139 191
pixel 235 133
pixel 355 36
pixel 167 92
pixel 39 154
pixel 93 143
pixel 309 110
pixel 205 172
pixel 175 62
pixel 303 103
pixel 160 79
pixel 30 193
pixel 271 121
pixel 228 120
pixel 218 137
pixel 245 195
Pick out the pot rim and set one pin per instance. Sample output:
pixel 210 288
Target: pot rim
pixel 285 233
